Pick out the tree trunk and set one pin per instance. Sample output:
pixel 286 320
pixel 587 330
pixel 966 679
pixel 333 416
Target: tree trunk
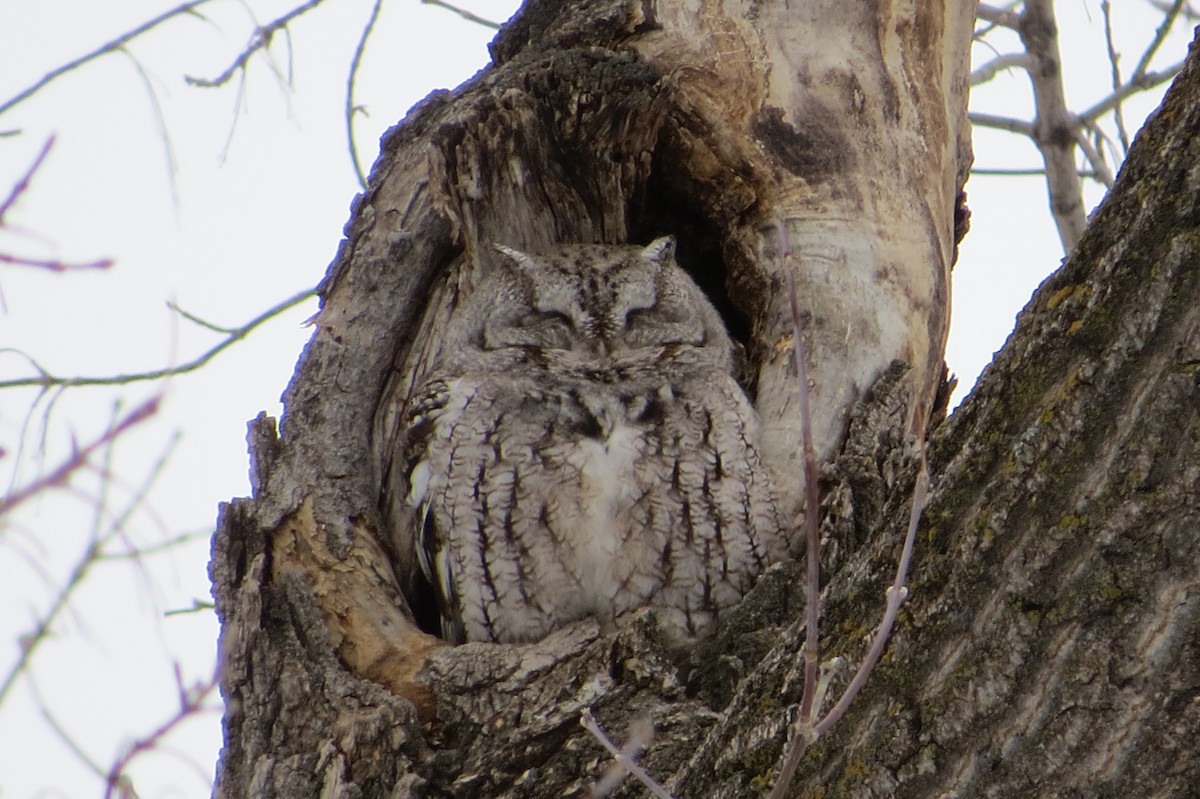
pixel 1050 646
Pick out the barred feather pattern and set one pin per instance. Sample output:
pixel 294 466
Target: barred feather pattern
pixel 567 462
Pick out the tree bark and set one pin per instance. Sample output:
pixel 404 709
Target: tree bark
pixel 1051 644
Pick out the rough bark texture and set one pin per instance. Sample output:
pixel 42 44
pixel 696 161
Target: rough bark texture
pixel 1051 644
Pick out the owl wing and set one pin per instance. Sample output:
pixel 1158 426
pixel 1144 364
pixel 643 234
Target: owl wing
pixel 421 552
pixel 488 482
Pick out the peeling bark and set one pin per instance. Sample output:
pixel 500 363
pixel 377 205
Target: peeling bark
pixel 1050 646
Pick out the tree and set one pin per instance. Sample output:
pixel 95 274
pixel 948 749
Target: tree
pixel 1038 624
pixel 341 490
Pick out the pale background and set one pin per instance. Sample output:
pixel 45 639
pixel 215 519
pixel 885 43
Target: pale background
pixel 231 201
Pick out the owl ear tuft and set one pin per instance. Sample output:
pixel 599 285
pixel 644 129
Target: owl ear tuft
pixel 516 256
pixel 661 250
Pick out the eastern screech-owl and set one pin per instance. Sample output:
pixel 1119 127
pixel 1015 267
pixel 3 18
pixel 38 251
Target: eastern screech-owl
pixel 581 448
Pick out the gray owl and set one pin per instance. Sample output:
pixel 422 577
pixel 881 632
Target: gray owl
pixel 581 448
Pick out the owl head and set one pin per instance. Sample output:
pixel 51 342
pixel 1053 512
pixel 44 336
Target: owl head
pixel 585 305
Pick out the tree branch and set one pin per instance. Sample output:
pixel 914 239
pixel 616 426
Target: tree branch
pixel 351 108
pixel 467 15
pixel 103 49
pixel 236 334
pixel 260 40
pixel 1053 127
pixel 1001 123
pixel 998 64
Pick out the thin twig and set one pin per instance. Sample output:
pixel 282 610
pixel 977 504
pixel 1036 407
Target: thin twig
pixel 804 728
pixel 198 606
pixel 809 702
pixel 164 133
pixel 31 640
pixel 1001 123
pixel 998 16
pixel 639 737
pixel 201 322
pixel 54 266
pixel 1147 80
pixel 1032 172
pixel 165 545
pixel 19 188
pixel 104 49
pixel 191 703
pixel 351 79
pixel 1189 13
pixel 1095 157
pixel 22 185
pixel 897 592
pixel 61 731
pixel 237 334
pixel 467 15
pixel 259 40
pixel 989 70
pixel 78 459
pixel 1160 35
pixel 812 523
pixel 1115 70
pixel 588 722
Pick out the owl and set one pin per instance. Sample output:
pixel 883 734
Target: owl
pixel 581 448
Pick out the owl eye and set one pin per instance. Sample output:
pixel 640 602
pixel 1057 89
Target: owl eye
pixel 636 318
pixel 662 324
pixel 551 329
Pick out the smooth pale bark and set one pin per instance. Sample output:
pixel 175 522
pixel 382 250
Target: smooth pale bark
pixel 845 123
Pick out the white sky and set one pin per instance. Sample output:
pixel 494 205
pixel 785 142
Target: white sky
pixel 245 211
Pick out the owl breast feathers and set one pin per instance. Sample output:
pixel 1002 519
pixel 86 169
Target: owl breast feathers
pixel 581 448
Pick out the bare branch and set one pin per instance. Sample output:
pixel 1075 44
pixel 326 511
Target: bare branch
pixel 104 49
pixel 1147 80
pixel 1160 35
pixel 91 554
pixel 19 188
pixel 236 334
pixel 1032 172
pixel 997 16
pixel 1188 13
pixel 1054 125
pixel 467 15
pixel 160 121
pixel 260 40
pixel 196 320
pixel 1001 123
pixel 639 738
pixel 61 731
pixel 1115 68
pixel 351 108
pixel 1095 157
pixel 78 460
pixel 803 731
pixel 897 592
pixel 162 546
pixel 22 185
pixel 54 265
pixel 812 523
pixel 998 64
pixel 588 722
pixel 191 703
